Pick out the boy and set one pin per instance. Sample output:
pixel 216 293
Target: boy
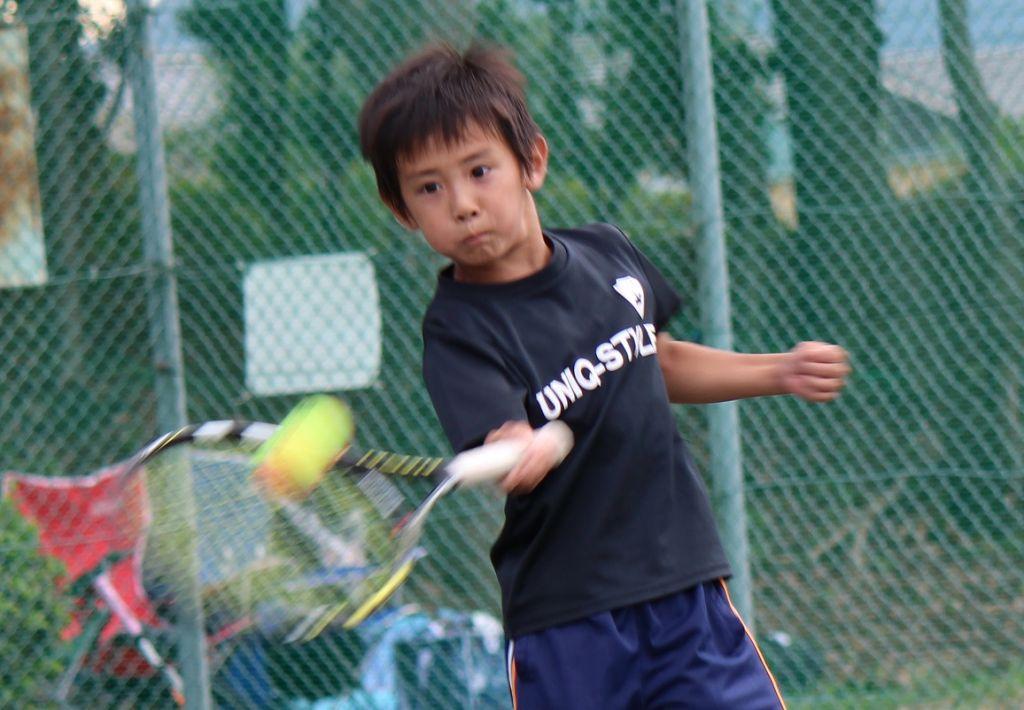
pixel 609 564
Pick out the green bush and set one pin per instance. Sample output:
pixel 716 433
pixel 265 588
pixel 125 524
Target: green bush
pixel 32 614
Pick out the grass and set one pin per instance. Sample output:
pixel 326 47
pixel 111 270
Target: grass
pixel 982 691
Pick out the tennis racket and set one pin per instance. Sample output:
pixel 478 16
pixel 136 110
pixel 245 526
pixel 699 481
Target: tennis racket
pixel 332 557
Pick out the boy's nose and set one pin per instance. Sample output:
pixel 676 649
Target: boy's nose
pixel 464 207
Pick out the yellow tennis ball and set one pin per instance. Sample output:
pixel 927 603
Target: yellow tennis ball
pixel 295 458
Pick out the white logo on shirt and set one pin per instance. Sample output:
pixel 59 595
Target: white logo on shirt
pixel 586 374
pixel 631 290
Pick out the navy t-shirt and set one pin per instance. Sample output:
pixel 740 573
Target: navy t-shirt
pixel 625 518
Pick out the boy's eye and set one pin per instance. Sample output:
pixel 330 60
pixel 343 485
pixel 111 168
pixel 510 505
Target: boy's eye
pixel 479 171
pixel 430 188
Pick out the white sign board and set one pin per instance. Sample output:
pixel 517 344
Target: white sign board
pixel 312 324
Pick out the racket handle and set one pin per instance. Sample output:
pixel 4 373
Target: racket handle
pixel 490 462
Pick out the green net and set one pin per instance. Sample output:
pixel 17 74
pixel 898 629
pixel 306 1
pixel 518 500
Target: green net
pixel 872 166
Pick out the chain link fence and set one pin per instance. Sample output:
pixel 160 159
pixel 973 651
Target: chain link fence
pixel 872 169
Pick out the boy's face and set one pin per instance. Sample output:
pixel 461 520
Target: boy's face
pixel 475 206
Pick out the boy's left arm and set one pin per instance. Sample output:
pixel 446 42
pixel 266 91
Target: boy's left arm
pixel 697 374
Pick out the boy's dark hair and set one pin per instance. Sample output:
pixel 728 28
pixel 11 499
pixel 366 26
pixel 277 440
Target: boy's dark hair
pixel 439 93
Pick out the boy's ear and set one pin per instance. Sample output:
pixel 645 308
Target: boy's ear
pixel 534 178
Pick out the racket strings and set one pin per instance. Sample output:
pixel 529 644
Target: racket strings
pixel 332 556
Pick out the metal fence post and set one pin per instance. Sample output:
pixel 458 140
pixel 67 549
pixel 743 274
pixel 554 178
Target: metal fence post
pixel 705 183
pixel 165 332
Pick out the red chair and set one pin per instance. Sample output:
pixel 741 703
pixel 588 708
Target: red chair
pixel 96 525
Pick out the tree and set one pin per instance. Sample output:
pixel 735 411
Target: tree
pixel 991 217
pixel 741 78
pixel 66 97
pixel 978 117
pixel 249 44
pixel 644 102
pixel 84 187
pixel 829 55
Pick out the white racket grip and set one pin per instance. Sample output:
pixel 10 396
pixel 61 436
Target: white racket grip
pixel 490 462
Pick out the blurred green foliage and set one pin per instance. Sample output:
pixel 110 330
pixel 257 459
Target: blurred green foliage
pixel 33 613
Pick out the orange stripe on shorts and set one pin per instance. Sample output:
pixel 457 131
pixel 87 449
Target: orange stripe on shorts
pixel 750 636
pixel 512 674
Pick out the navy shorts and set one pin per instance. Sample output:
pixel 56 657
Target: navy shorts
pixel 685 650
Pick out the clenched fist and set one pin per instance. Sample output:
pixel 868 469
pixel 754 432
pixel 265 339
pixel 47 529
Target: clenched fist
pixel 814 371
